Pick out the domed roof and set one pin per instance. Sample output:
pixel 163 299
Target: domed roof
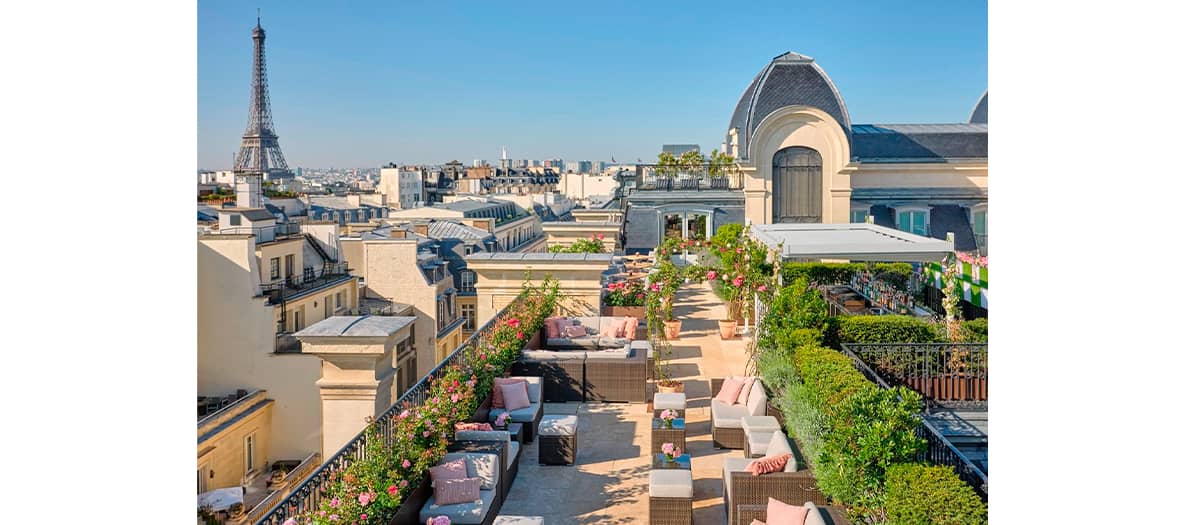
pixel 979 114
pixel 789 79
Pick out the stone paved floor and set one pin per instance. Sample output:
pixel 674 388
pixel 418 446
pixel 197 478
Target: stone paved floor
pixel 608 485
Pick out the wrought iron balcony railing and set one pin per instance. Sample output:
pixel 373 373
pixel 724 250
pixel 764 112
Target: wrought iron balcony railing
pixel 950 375
pixel 265 234
pixel 307 495
pixel 702 177
pixel 292 285
pixel 940 451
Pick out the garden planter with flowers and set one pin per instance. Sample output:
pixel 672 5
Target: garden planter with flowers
pixel 624 299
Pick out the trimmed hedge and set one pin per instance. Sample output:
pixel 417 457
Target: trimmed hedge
pixel 887 329
pixel 896 274
pixel 922 494
pixel 974 331
pixel 829 374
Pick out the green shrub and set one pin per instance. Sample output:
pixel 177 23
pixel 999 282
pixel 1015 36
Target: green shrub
pixel 829 376
pixel 822 273
pixel 924 494
pixel 974 331
pixel 887 329
pixel 806 307
pixel 870 430
pixel 896 274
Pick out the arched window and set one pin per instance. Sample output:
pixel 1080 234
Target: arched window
pixel 797 184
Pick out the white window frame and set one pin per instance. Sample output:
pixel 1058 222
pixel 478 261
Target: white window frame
pixel 276 268
pixel 468 320
pixel 911 209
pixel 685 213
pixel 249 444
pixel 340 301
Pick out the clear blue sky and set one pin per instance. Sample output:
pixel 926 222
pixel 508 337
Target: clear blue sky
pixel 357 84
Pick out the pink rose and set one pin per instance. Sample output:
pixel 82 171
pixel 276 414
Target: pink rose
pixel 334 503
pixel 737 281
pixel 762 288
pixel 600 237
pixel 520 335
pixel 711 275
pixel 363 498
pixel 406 463
pixel 392 490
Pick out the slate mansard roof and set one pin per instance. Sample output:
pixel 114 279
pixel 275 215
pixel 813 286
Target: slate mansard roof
pixel 789 79
pixel 918 142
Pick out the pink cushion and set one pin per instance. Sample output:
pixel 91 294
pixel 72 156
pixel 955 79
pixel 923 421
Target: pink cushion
pixel 573 331
pixel 452 491
pixel 747 384
pixel 497 393
pixel 473 426
pixel 730 390
pixel 456 469
pixel 618 328
pixel 757 522
pixel 768 464
pixel 779 513
pixel 516 396
pixel 632 326
pixel 551 328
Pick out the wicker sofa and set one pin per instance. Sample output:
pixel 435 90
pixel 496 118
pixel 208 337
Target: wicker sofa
pixel 727 424
pixel 792 485
pixel 816 514
pixel 529 417
pixel 614 374
pixel 485 466
pixel 497 442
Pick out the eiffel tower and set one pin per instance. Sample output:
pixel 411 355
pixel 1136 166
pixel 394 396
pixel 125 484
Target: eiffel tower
pixel 260 153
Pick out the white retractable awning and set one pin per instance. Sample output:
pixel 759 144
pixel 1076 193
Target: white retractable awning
pixel 854 242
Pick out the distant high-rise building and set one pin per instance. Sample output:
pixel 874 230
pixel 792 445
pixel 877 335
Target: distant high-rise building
pixel 534 164
pixel 584 166
pixel 680 149
pixel 479 163
pixel 599 166
pixel 520 163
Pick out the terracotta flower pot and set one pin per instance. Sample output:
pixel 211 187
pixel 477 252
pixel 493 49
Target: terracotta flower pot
pixel 728 328
pixel 672 329
pixel 675 387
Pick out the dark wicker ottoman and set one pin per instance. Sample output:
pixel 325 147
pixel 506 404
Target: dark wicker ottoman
pixel 557 442
pixel 619 379
pixel 670 497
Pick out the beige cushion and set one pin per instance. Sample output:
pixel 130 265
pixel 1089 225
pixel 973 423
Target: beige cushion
pixel 813 515
pixel 733 465
pixel 759 424
pixel 779 445
pixel 756 405
pixel 670 483
pixel 673 400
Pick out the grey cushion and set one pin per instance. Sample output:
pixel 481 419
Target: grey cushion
pixel 521 520
pixel 670 483
pixel 534 387
pixel 758 442
pixel 485 466
pixel 520 415
pixel 460 513
pixel 552 355
pixel 613 353
pixel 813 515
pixel 607 341
pixel 727 416
pixel 733 465
pixel 482 435
pixel 513 451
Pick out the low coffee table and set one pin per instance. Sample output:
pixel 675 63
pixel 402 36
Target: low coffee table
pixel 660 462
pixel 661 435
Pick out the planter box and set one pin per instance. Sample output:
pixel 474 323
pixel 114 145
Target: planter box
pixel 412 503
pixel 637 312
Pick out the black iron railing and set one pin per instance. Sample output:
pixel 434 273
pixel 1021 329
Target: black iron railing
pixel 287 343
pixel 283 289
pixel 284 230
pixel 941 451
pixel 952 375
pixel 702 177
pixel 307 495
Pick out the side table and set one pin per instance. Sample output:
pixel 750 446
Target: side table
pixel 661 435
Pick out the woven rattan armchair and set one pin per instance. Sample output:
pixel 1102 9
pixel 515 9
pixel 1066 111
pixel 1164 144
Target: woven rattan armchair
pixel 748 513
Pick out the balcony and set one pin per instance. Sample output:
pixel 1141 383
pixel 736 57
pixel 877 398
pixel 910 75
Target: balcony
pixel 265 234
pixel 296 285
pixel 704 177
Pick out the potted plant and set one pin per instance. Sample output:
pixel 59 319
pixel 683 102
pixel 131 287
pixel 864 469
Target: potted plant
pixel 671 452
pixel 624 299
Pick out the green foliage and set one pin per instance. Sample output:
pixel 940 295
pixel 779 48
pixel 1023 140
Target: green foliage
pixel 829 375
pixel 807 307
pixel 591 245
pixel 870 430
pixel 628 293
pixel 895 274
pixel 926 494
pixel 887 329
pixel 821 273
pixel 727 234
pixel 973 331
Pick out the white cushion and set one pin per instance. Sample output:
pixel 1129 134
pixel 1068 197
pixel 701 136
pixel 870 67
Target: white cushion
pixel 673 400
pixel 513 451
pixel 670 483
pixel 482 435
pixel 813 515
pixel 641 347
pixel 759 424
pixel 611 353
pixel 756 404
pixel 460 513
pixel 758 442
pixel 779 445
pixel 727 416
pixel 558 426
pixel 519 520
